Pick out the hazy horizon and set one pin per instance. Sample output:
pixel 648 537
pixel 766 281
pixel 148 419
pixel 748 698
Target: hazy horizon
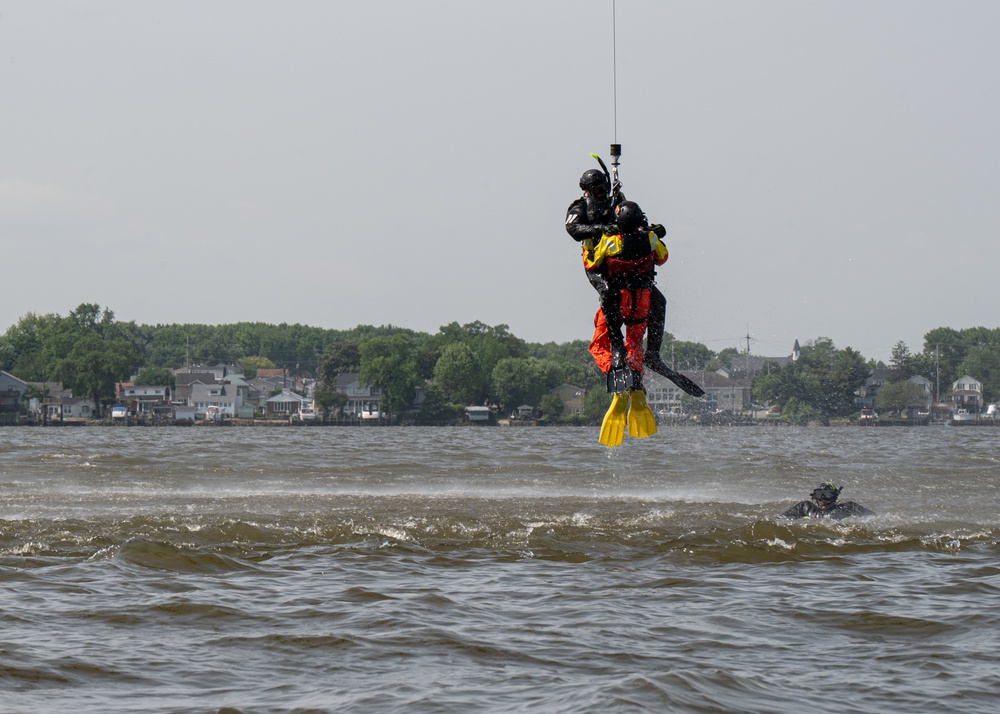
pixel 823 170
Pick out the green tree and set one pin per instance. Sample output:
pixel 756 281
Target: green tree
pixel 35 354
pixel 725 359
pixel 686 355
pixel 595 404
pixel 250 364
pixel 983 363
pixel 435 409
pixel 94 365
pixel 329 400
pixel 519 381
pixel 390 365
pixel 847 374
pixel 459 375
pixel 820 384
pixel 901 363
pixel 488 344
pixel 7 354
pixel 551 406
pixel 155 377
pixel 897 396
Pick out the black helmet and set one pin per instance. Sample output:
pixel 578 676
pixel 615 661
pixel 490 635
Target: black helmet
pixel 630 216
pixel 594 181
pixel 826 492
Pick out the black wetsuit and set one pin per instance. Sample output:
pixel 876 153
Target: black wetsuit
pixel 586 219
pixel 808 509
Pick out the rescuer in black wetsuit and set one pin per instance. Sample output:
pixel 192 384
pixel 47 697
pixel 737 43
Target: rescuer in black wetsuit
pixel 824 505
pixel 587 219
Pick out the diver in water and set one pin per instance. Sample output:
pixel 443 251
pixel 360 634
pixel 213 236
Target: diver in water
pixel 824 505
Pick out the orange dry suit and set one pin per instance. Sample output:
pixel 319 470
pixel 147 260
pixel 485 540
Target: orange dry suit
pixel 627 261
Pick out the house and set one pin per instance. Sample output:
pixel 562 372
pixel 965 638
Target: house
pixel 525 412
pixel 261 388
pixel 571 398
pixel 219 371
pixel 184 413
pixel 245 407
pixel 278 375
pixel 744 366
pixel 285 404
pixel 184 380
pixel 12 392
pixel 921 406
pixel 73 408
pixel 865 395
pixel 721 392
pixel 478 415
pixel 967 393
pixel 360 397
pixel 144 399
pixel 224 397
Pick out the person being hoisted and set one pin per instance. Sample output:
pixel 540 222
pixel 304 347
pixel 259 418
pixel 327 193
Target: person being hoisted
pixel 587 219
pixel 626 258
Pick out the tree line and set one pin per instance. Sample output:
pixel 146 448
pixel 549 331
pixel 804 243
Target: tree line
pixel 89 351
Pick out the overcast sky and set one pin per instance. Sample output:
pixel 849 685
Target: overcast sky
pixel 822 168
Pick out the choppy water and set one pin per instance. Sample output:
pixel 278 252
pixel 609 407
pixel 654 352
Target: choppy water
pixel 528 570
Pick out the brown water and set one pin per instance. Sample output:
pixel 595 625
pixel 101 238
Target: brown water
pixel 514 570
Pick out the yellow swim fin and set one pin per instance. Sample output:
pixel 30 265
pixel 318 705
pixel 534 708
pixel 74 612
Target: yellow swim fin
pixel 613 426
pixel 641 422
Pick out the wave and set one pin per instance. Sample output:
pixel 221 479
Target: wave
pixel 554 529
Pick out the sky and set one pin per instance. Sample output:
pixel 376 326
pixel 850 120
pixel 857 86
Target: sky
pixel 823 169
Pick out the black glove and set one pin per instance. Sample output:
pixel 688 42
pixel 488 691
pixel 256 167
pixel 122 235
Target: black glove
pixel 610 230
pixel 658 229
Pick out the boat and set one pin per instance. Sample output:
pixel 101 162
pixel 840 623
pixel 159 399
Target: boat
pixel 964 416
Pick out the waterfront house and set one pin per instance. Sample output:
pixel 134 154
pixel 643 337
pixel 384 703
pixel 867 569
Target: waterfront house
pixel 571 398
pixel 920 407
pixel 224 397
pixel 478 415
pixel 721 392
pixel 184 380
pixel 12 392
pixel 76 408
pixel 865 395
pixel 285 404
pixel 147 399
pixel 967 393
pixel 361 398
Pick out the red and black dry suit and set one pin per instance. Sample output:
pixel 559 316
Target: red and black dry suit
pixel 627 261
pixel 586 220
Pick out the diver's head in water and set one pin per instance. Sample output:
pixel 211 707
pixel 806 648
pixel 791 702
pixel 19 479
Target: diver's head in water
pixel 825 496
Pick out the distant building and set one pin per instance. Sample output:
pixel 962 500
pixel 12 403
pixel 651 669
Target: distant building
pixel 967 393
pixel 361 398
pixel 12 392
pixel 721 392
pixel 571 398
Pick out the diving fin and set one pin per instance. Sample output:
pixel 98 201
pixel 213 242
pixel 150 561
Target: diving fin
pixel 641 422
pixel 653 362
pixel 613 426
pixel 619 375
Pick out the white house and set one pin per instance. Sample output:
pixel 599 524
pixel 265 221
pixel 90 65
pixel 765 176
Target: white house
pixel 144 399
pixel 967 393
pixel 223 396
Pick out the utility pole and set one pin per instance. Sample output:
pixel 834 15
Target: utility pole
pixel 937 373
pixel 747 352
